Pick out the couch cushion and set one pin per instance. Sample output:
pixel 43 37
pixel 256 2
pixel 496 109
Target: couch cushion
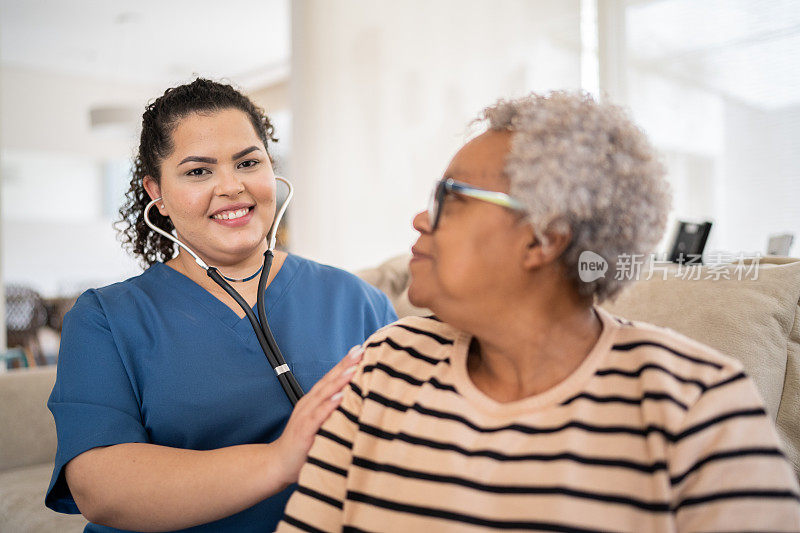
pixel 22 503
pixel 29 432
pixel 750 314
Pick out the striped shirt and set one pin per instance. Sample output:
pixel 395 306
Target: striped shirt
pixel 652 432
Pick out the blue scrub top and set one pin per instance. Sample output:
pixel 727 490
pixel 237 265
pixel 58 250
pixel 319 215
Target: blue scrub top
pixel 158 359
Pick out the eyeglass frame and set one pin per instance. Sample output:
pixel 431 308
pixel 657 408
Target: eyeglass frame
pixel 449 185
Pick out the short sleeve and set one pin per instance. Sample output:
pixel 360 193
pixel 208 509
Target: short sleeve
pixel 93 401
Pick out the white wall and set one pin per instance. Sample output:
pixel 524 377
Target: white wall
pixel 686 123
pixel 65 258
pixel 762 175
pixel 714 86
pixel 49 112
pixel 382 92
pixel 727 162
pixel 57 177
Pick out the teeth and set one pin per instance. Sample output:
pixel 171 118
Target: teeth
pixel 230 215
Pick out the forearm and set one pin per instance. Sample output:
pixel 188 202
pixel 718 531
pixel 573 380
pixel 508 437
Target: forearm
pixel 147 487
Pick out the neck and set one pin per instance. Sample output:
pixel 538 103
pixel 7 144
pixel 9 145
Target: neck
pixel 185 264
pixel 527 346
pixel 236 267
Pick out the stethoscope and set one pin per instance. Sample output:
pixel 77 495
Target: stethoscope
pixel 260 326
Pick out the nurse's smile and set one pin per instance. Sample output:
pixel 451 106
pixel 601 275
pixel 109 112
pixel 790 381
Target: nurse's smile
pixel 233 216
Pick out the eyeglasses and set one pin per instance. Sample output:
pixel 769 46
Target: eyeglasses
pixel 449 185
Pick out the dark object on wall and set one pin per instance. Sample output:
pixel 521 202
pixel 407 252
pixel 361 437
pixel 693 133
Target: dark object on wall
pixel 690 241
pixel 780 244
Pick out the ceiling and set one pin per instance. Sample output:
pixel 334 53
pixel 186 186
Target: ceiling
pixel 748 50
pixel 149 41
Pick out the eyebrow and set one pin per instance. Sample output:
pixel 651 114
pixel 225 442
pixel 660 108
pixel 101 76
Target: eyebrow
pixel 244 152
pixel 198 159
pixel 213 160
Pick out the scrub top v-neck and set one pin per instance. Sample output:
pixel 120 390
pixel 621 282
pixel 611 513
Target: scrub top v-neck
pixel 159 359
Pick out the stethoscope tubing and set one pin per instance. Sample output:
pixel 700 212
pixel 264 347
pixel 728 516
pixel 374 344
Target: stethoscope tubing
pixel 270 349
pixel 262 318
pixel 259 324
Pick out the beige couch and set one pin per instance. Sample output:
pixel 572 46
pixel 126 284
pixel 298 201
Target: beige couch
pixel 27 449
pixel 755 321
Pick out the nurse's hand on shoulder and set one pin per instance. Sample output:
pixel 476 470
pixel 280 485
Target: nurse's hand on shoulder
pixel 311 412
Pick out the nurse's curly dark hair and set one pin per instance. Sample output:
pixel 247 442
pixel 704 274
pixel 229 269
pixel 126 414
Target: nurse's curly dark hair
pixel 159 120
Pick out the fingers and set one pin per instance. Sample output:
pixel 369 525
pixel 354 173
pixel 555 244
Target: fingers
pixel 353 357
pixel 334 381
pixel 313 410
pixel 326 395
pixel 324 410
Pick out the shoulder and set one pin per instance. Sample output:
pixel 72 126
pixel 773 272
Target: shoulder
pixel 320 270
pixel 412 343
pixel 336 279
pixel 661 354
pixel 663 343
pixel 122 294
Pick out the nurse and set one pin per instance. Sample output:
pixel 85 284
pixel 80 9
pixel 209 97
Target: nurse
pixel 168 414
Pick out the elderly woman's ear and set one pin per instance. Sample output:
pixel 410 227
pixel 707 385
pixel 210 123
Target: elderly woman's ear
pixel 546 250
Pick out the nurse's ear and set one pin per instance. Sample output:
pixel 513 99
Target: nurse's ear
pixel 154 191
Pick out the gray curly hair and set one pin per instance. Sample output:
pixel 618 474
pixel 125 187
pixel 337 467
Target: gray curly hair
pixel 585 168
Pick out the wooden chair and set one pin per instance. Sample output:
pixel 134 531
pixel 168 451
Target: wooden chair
pixel 25 314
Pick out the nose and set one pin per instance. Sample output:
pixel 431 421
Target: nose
pixel 421 222
pixel 228 184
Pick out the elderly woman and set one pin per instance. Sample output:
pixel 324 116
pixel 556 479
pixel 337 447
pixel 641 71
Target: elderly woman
pixel 521 404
